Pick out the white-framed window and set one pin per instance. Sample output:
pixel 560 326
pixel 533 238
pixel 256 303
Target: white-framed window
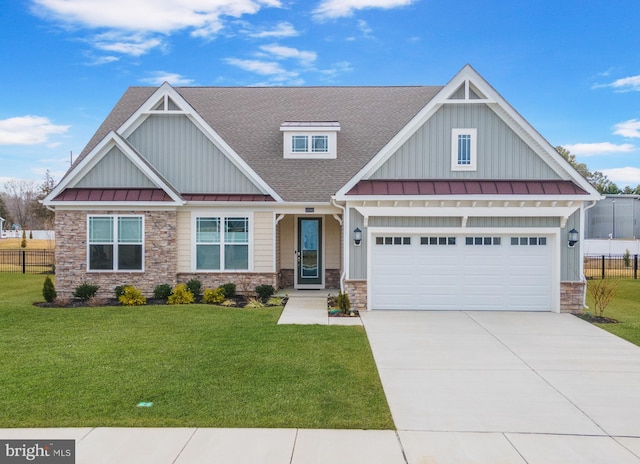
pixel 310 139
pixel 115 243
pixel 222 243
pixel 463 149
pixel 320 143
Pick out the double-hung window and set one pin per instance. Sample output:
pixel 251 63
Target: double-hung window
pixel 115 243
pixel 222 243
pixel 463 150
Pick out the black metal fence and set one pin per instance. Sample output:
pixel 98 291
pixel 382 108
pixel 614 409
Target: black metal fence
pixel 27 261
pixel 611 266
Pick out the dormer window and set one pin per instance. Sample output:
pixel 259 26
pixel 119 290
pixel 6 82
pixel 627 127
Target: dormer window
pixel 305 139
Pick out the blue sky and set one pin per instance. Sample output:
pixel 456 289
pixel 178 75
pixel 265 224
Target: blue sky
pixel 571 68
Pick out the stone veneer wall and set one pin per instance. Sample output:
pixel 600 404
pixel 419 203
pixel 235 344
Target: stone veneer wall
pixel 357 291
pixel 286 279
pixel 572 297
pixel 332 278
pixel 160 254
pixel 246 282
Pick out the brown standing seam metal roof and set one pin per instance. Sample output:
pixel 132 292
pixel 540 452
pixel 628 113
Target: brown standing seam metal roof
pixel 466 187
pixel 249 120
pixel 87 194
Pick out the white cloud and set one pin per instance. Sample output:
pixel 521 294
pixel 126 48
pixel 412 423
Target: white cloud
pixel 602 148
pixel 623 176
pixel 340 8
pixel 264 68
pixel 625 84
pixel 366 30
pixel 100 60
pixel 159 77
pixel 629 129
pixel 144 20
pixel 281 52
pixel 126 44
pixel 28 130
pixel 282 29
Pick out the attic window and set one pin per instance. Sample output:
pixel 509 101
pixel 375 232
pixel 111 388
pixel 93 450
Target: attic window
pixel 310 139
pixel 463 150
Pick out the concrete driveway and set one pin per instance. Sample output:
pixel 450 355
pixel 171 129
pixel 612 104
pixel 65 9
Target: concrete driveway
pixel 479 387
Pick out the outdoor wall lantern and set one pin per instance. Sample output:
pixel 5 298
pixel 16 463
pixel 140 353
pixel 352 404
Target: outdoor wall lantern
pixel 357 236
pixel 573 237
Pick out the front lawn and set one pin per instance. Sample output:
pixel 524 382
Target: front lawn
pixel 625 307
pixel 199 365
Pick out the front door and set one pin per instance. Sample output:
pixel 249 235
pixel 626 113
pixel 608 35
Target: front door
pixel 309 253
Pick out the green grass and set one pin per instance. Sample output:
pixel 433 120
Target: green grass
pixel 625 307
pixel 200 365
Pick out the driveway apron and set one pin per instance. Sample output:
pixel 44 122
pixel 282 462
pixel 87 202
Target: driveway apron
pixel 510 378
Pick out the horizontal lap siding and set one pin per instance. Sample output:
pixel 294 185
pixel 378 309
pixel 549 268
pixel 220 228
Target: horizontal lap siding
pixel 184 241
pixel 263 245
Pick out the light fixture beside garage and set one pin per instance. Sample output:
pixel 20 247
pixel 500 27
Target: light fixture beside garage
pixel 357 236
pixel 573 237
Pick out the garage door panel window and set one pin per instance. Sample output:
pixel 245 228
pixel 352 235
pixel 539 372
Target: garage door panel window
pixel 483 241
pixel 528 241
pixel 437 240
pixel 393 240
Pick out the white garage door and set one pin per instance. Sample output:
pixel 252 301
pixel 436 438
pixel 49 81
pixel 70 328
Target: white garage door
pixel 461 272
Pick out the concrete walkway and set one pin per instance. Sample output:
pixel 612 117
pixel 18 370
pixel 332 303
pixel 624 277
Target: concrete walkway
pixel 222 446
pixel 308 307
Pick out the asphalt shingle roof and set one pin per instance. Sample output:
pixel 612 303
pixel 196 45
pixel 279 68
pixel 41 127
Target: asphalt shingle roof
pixel 249 120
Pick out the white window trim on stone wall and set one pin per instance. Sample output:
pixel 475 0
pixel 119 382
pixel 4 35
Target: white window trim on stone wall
pixel 115 243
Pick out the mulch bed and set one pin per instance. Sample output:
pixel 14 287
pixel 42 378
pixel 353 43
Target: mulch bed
pixel 598 319
pixel 75 303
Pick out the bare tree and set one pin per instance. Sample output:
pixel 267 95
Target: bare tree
pixel 20 194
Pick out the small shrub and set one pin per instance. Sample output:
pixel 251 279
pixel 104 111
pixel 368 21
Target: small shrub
pixel 265 292
pixel 275 301
pixel 229 290
pixel 95 302
pixel 119 291
pixel 213 296
pixel 162 291
pixel 132 296
pixel 85 291
pixel 195 287
pixel 23 243
pixel 602 291
pixel 343 302
pixel 254 304
pixel 30 235
pixel 627 258
pixel 181 295
pixel 49 290
pixel 228 303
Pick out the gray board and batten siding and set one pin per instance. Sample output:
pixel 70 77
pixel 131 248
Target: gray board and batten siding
pixel 187 158
pixel 569 257
pixel 115 170
pixel 501 153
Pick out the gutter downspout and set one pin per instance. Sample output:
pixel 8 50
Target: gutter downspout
pixel 343 276
pixel 583 277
